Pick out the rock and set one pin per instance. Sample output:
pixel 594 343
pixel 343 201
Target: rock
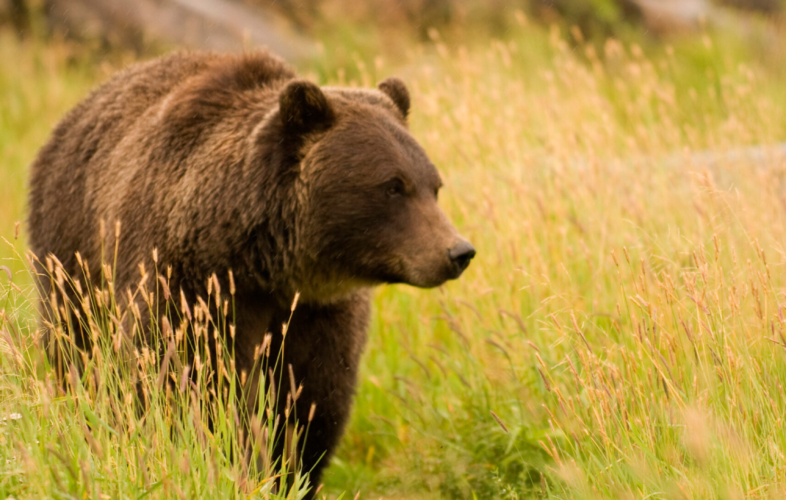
pixel 664 16
pixel 221 25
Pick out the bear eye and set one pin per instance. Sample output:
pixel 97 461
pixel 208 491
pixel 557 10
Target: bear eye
pixel 395 188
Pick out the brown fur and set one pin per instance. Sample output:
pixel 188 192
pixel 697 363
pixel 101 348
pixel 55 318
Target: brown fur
pixel 230 162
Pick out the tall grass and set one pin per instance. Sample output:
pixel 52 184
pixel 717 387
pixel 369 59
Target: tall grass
pixel 125 418
pixel 620 334
pixel 622 319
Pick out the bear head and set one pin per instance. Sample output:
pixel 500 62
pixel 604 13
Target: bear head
pixel 367 191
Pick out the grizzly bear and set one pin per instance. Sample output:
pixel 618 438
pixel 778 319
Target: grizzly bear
pixel 231 163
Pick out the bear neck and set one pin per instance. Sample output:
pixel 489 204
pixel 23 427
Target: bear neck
pixel 280 259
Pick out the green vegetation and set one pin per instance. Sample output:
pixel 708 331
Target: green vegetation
pixel 620 334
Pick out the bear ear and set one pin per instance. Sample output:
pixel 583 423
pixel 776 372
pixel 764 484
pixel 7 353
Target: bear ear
pixel 398 93
pixel 304 108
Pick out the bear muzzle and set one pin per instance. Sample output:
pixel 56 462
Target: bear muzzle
pixel 429 269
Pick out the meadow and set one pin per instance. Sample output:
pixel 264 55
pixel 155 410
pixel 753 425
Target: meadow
pixel 619 335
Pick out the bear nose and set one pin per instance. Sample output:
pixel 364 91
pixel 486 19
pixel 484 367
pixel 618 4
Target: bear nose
pixel 461 254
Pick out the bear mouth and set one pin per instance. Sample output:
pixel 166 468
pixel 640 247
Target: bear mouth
pixel 430 276
pixel 447 273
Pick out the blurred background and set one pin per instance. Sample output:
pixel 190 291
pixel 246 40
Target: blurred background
pixel 293 27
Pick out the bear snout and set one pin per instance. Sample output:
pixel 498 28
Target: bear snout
pixel 460 255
